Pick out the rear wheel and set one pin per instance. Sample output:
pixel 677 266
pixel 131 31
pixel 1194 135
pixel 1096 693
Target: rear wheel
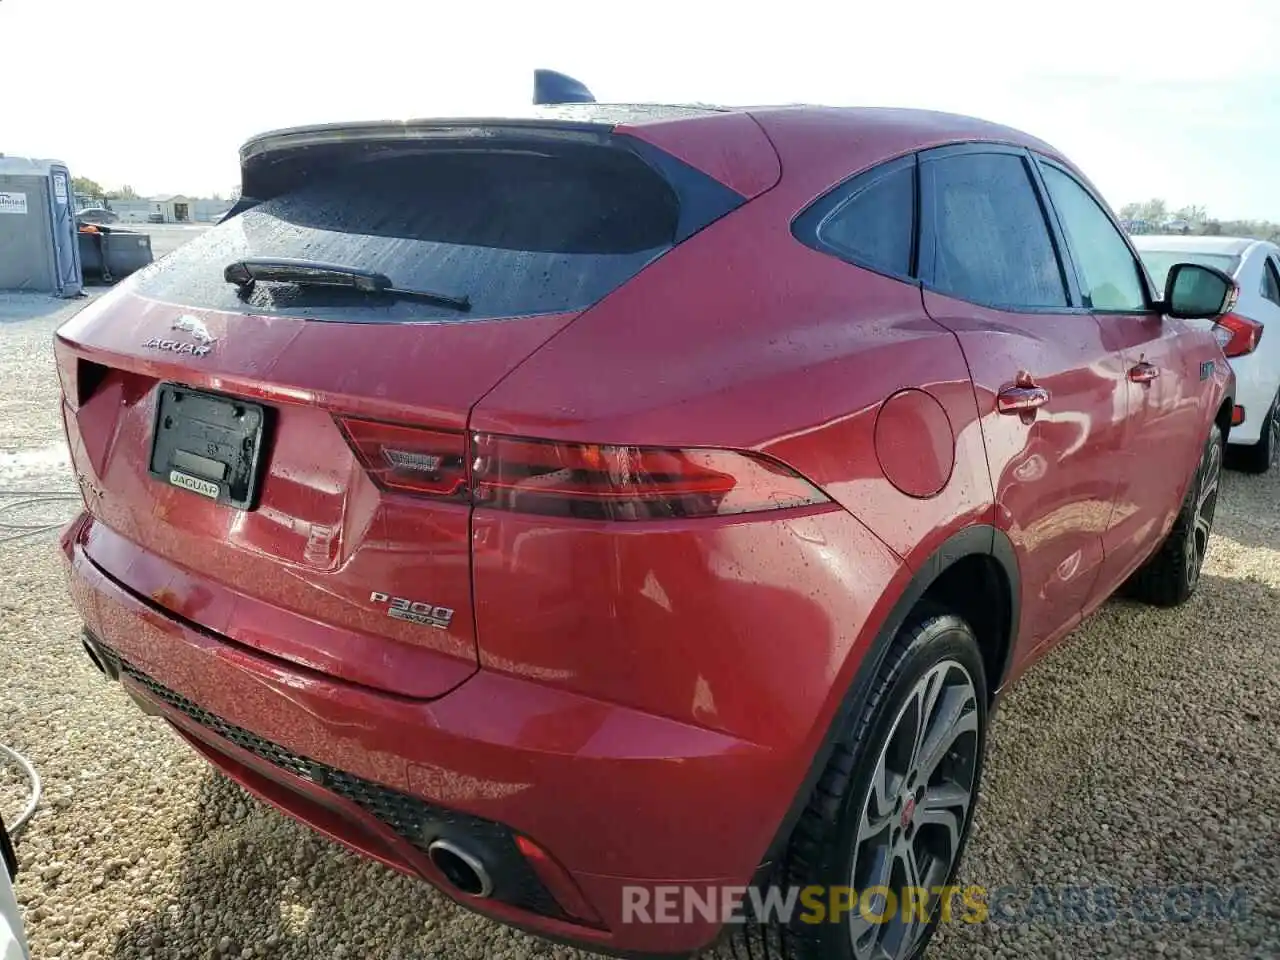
pixel 1170 577
pixel 893 808
pixel 1262 456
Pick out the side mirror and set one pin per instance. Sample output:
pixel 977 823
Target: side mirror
pixel 1196 292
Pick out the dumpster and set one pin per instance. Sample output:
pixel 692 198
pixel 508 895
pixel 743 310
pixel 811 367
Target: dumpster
pixel 111 253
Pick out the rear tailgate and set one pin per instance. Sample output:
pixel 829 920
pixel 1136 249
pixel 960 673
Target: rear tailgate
pixel 322 538
pixel 278 535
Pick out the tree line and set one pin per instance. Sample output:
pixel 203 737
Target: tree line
pixel 91 188
pixel 84 186
pixel 1157 215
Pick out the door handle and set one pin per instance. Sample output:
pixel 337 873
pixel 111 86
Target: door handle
pixel 1023 397
pixel 1143 372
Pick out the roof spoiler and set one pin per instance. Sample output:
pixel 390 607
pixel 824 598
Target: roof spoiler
pixel 552 87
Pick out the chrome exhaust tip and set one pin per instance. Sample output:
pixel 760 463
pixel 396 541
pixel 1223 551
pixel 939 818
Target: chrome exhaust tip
pixel 105 664
pixel 463 870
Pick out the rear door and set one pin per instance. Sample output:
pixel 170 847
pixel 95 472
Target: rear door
pixel 1043 376
pixel 286 464
pixel 1162 380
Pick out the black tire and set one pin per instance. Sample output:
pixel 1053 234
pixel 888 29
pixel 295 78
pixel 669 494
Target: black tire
pixel 823 845
pixel 1260 457
pixel 1170 576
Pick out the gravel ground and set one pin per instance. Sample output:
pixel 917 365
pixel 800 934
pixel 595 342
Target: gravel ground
pixel 1141 753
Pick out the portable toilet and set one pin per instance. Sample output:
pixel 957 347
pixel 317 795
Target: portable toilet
pixel 39 246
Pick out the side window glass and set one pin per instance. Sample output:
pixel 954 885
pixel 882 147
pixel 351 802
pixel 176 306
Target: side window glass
pixel 1271 281
pixel 1110 278
pixel 874 226
pixel 868 220
pixel 991 243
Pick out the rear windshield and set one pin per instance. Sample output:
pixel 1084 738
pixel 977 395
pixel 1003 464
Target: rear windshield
pixel 516 233
pixel 1159 261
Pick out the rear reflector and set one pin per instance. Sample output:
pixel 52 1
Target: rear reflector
pixel 557 880
pixel 1237 416
pixel 585 481
pixel 1238 335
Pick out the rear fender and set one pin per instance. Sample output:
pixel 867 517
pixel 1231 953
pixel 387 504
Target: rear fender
pixel 980 540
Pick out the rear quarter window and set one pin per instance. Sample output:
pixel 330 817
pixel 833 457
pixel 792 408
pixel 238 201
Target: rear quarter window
pixel 517 233
pixel 868 221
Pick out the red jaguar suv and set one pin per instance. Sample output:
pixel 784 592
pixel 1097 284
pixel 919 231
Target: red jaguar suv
pixel 568 508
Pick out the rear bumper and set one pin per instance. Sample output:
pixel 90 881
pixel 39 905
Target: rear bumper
pixel 620 798
pixel 1256 388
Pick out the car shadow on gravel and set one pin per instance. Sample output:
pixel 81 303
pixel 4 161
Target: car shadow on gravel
pixel 1137 759
pixel 1247 511
pixel 253 883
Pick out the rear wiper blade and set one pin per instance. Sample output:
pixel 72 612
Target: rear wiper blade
pixel 309 273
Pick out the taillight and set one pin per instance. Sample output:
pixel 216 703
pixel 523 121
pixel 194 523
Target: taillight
pixel 1237 335
pixel 585 481
pixel 606 482
pixel 412 459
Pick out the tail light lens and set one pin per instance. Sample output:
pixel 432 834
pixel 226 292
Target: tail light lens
pixel 411 459
pixel 585 481
pixel 1237 335
pixel 604 482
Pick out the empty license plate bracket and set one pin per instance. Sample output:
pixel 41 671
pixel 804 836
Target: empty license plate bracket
pixel 208 444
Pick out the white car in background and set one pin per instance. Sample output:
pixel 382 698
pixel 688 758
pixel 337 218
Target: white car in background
pixel 1255 265
pixel 13 938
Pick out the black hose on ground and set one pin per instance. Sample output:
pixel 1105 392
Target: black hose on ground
pixel 28 499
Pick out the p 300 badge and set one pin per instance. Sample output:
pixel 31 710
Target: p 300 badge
pixel 414 611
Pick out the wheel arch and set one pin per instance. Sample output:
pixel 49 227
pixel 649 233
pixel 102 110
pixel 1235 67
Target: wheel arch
pixel 970 568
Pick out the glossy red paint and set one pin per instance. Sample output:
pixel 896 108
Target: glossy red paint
pixel 729 146
pixel 864 338
pixel 293 577
pixel 604 684
pixel 685 619
pixel 1164 421
pixel 1056 469
pixel 512 745
pixel 915 443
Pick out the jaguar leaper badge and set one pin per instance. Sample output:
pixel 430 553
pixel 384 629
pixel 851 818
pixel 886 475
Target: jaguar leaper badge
pixel 204 340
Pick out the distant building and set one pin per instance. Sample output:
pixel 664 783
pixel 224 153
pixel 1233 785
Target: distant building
pixel 172 208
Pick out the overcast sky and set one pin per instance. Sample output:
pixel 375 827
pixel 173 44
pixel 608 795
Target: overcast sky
pixel 1151 98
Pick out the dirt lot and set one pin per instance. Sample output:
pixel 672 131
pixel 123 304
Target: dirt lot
pixel 1144 753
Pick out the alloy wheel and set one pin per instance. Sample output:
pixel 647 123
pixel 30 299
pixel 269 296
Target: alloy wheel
pixel 1197 544
pixel 917 809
